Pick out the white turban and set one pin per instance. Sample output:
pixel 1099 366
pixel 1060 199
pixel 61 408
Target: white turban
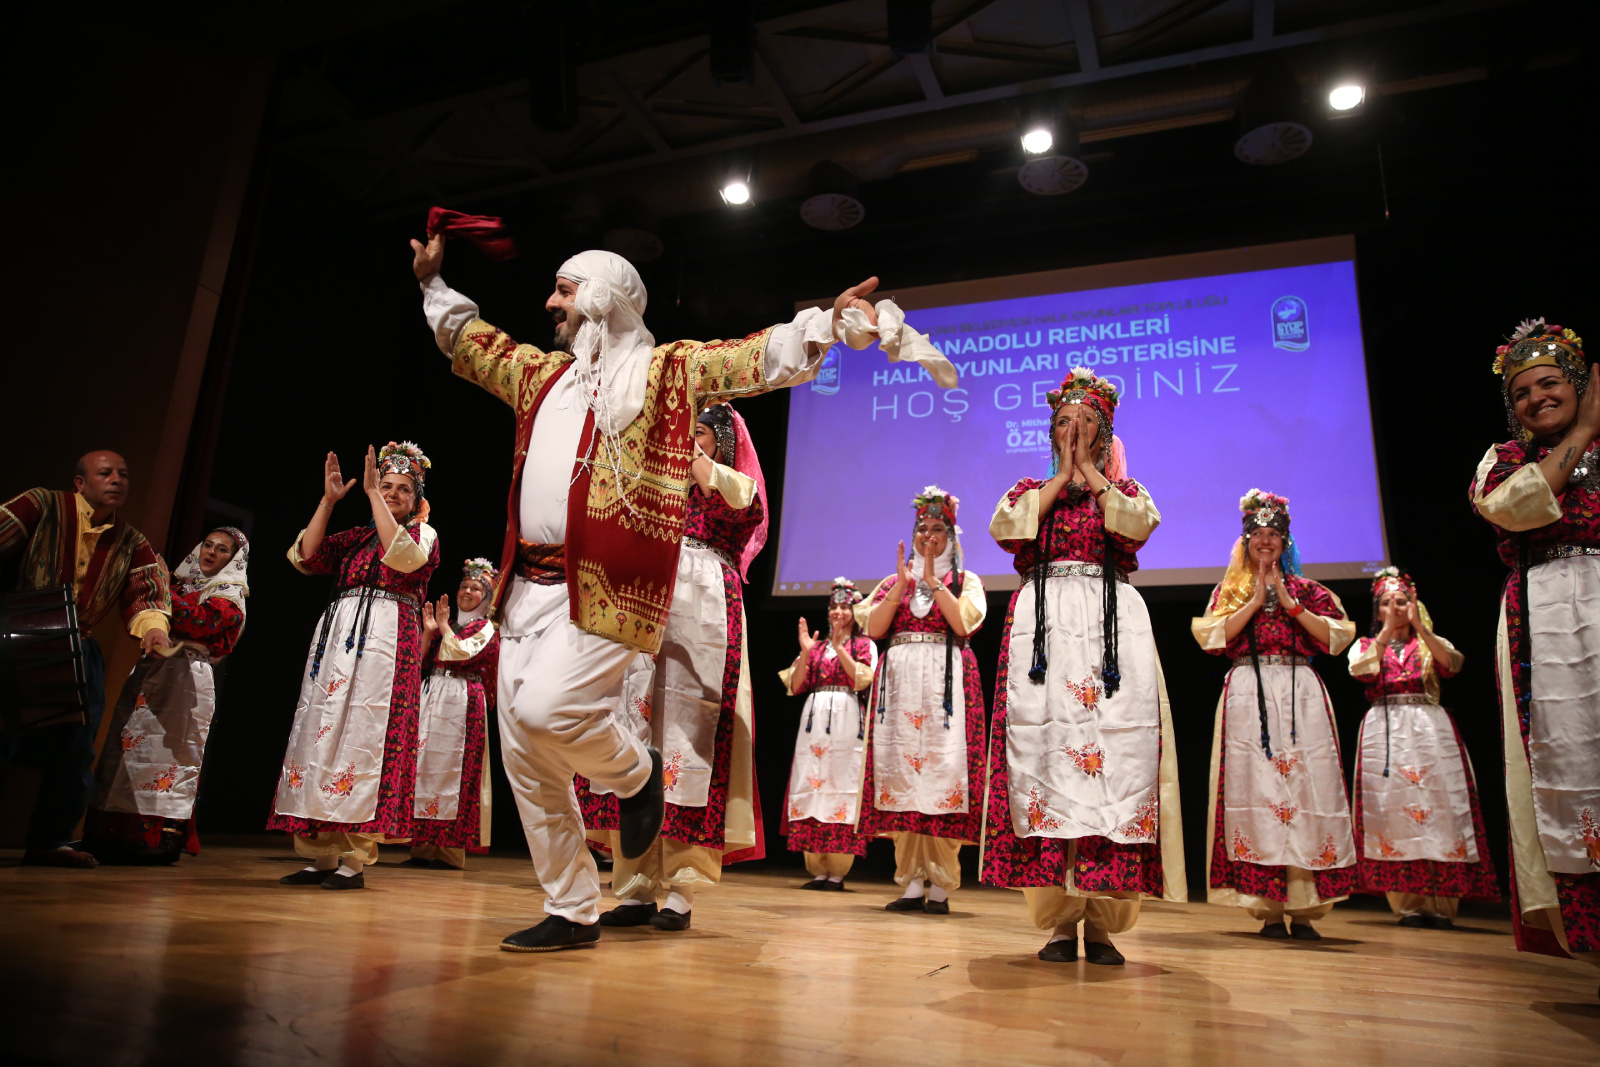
pixel 612 345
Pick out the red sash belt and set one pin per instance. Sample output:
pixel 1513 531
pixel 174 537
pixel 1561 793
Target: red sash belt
pixel 541 564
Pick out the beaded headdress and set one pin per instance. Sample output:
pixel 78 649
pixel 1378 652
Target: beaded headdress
pixel 1391 579
pixel 1261 509
pixel 844 592
pixel 719 417
pixel 404 457
pixel 933 501
pixel 1084 386
pixel 1535 344
pixel 480 570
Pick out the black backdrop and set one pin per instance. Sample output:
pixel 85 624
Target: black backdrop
pixel 1483 219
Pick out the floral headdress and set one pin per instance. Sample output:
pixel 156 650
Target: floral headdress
pixel 481 571
pixel 1262 509
pixel 935 501
pixel 1083 386
pixel 404 457
pixel 1390 579
pixel 844 592
pixel 1535 344
pixel 1393 579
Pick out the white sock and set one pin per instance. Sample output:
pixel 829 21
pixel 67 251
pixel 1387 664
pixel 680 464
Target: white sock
pixel 631 902
pixel 835 877
pixel 936 894
pixel 913 889
pixel 680 900
pixel 1068 934
pixel 348 871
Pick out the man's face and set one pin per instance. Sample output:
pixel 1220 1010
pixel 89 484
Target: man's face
pixel 104 483
pixel 560 307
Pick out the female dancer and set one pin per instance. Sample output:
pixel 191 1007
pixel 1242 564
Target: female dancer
pixel 1281 843
pixel 146 784
pixel 451 810
pixel 1419 833
pixel 693 701
pixel 1541 491
pixel 925 777
pixel 351 764
pixel 830 751
pixel 1083 780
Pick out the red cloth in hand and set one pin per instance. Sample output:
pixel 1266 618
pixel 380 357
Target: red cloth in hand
pixel 484 232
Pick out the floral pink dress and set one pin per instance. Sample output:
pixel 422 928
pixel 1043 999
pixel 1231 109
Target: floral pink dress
pixel 479 672
pixel 836 716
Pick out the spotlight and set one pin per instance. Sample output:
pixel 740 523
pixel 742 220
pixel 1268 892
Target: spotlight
pixel 736 192
pixel 1346 97
pixel 1037 141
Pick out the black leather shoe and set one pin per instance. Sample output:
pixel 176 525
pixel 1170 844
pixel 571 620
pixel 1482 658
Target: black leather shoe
pixel 1439 922
pixel 1063 951
pixel 1274 930
pixel 628 915
pixel 833 887
pixel 667 919
pixel 1103 953
pixel 1418 921
pixel 1304 932
pixel 345 881
pixel 904 904
pixel 816 883
pixel 553 934
pixel 936 907
pixel 639 816
pixel 305 877
pixel 419 863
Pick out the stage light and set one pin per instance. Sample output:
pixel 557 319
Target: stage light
pixel 1346 97
pixel 1037 141
pixel 736 192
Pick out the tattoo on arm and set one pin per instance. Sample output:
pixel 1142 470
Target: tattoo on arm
pixel 1566 458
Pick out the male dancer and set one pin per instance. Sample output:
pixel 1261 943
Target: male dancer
pixel 591 550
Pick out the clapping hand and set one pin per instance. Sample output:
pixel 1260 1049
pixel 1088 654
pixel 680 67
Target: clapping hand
pixel 334 487
pixel 808 640
pixel 903 576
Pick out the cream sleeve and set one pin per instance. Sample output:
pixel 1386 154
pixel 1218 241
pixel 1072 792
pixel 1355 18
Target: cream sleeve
pixel 1134 517
pixel 1523 501
pixel 974 604
pixel 405 554
pixel 737 489
pixel 296 559
pixel 864 671
pixel 1456 658
pixel 784 676
pixel 1019 521
pixel 456 648
pixel 1366 656
pixel 863 610
pixel 1341 631
pixel 1210 631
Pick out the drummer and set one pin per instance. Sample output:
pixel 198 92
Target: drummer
pixel 77 540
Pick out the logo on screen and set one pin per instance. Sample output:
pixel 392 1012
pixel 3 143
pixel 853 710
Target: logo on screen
pixel 1291 328
pixel 827 379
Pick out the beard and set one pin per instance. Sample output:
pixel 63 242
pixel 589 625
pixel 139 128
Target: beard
pixel 566 333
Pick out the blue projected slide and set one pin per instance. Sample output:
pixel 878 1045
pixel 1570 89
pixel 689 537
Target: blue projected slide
pixel 1252 378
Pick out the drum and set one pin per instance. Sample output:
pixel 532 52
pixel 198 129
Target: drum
pixel 42 677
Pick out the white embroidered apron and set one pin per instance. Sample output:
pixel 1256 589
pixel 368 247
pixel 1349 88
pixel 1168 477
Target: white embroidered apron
pixel 335 757
pixel 1564 723
pixel 441 745
pixel 919 763
pixel 1422 810
pixel 686 698
pixel 1290 810
pixel 156 741
pixel 1083 764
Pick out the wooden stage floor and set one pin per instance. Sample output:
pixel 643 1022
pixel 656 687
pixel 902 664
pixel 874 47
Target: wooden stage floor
pixel 212 962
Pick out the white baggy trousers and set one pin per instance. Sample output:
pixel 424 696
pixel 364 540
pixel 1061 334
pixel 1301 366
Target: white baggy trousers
pixel 559 692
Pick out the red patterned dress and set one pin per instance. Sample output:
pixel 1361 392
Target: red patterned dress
pixel 146 786
pixel 1418 828
pixel 697 705
pixel 824 805
pixel 1098 773
pixel 351 761
pixel 935 787
pixel 459 681
pixel 1549 718
pixel 1278 819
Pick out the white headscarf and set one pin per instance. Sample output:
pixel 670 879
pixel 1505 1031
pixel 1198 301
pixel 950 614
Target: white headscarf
pixel 922 596
pixel 230 583
pixel 612 345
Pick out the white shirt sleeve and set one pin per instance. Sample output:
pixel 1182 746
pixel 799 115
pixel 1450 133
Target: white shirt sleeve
pixel 447 312
pixel 795 349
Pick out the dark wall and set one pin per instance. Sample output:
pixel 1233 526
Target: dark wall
pixel 1483 219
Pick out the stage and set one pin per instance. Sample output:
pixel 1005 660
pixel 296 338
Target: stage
pixel 212 961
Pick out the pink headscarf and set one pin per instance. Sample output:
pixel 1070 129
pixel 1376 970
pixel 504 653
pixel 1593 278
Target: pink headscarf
pixel 746 463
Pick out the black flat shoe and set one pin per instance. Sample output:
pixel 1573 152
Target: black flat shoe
pixel 551 935
pixel 936 907
pixel 345 881
pixel 304 877
pixel 418 862
pixel 1063 951
pixel 1418 921
pixel 904 904
pixel 1439 922
pixel 639 816
pixel 816 883
pixel 834 887
pixel 1304 932
pixel 1103 953
pixel 629 915
pixel 1274 931
pixel 667 919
